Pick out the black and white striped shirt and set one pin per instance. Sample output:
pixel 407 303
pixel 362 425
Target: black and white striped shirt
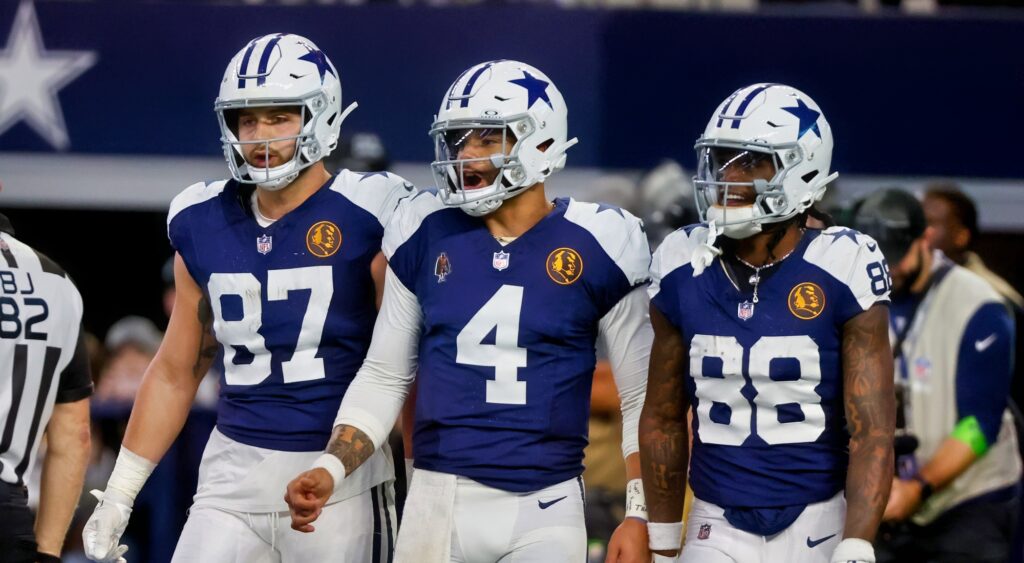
pixel 43 359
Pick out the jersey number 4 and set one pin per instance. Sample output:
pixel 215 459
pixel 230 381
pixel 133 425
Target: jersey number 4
pixel 793 398
pixel 499 315
pixel 244 332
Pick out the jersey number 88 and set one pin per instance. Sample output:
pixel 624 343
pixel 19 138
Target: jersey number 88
pixel 771 394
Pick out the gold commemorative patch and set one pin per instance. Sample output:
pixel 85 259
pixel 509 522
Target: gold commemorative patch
pixel 323 239
pixel 806 301
pixel 564 266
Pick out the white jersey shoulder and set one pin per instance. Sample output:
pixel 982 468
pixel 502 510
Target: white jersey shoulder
pixel 378 193
pixel 192 195
pixel 855 260
pixel 407 218
pixel 25 256
pixel 677 250
pixel 620 234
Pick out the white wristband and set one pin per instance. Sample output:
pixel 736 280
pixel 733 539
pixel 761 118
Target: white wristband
pixel 664 536
pixel 130 473
pixel 853 550
pixel 636 504
pixel 333 465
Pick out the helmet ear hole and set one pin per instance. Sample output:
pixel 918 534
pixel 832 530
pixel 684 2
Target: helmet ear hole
pixel 330 120
pixel 809 176
pixel 543 147
pixel 231 120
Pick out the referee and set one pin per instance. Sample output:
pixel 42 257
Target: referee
pixel 44 389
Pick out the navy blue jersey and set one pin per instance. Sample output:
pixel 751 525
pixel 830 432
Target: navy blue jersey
pixel 293 303
pixel 765 379
pixel 506 354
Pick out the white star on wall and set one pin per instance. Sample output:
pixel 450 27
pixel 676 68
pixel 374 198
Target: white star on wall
pixel 31 76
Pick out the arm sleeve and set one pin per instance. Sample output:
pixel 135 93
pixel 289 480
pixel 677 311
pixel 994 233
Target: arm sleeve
pixel 75 380
pixel 984 368
pixel 375 398
pixel 626 330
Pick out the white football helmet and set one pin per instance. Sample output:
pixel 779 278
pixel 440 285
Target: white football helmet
pixel 281 70
pixel 507 96
pixel 763 124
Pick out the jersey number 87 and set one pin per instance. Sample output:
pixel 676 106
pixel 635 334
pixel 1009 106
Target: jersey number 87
pixel 244 332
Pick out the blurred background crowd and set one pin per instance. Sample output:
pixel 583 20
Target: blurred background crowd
pixel 106 113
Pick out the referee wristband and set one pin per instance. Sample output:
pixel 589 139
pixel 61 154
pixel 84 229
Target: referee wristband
pixel 636 504
pixel 332 465
pixel 664 536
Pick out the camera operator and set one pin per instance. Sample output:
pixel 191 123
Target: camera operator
pixel 958 493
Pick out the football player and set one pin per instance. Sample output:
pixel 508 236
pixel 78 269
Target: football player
pixel 273 273
pixel 777 336
pixel 496 295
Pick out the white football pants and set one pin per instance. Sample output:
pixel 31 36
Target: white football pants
pixel 490 525
pixel 360 529
pixel 811 538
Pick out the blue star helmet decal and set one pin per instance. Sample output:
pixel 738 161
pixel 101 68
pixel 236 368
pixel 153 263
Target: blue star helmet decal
pixel 536 89
pixel 844 233
pixel 317 57
pixel 807 116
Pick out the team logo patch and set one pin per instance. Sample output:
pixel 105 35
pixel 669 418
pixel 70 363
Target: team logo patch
pixel 806 301
pixel 442 267
pixel 704 532
pixel 264 243
pixel 564 266
pixel 500 261
pixel 323 239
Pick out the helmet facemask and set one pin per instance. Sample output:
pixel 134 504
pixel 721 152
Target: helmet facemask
pixel 761 200
pixel 454 175
pixel 308 150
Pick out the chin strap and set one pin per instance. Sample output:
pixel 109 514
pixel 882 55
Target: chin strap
pixel 347 111
pixel 706 251
pixel 559 149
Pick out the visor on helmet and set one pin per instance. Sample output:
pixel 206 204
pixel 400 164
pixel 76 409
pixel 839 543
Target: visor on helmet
pixel 463 180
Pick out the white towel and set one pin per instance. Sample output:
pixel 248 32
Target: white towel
pixel 425 534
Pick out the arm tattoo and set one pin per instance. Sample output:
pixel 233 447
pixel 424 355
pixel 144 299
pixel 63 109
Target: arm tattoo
pixel 351 445
pixel 207 341
pixel 664 435
pixel 871 419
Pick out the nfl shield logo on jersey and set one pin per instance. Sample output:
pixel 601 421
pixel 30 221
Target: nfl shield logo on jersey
pixel 745 310
pixel 264 243
pixel 500 261
pixel 704 532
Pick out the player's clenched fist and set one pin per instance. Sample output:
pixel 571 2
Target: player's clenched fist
pixel 306 496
